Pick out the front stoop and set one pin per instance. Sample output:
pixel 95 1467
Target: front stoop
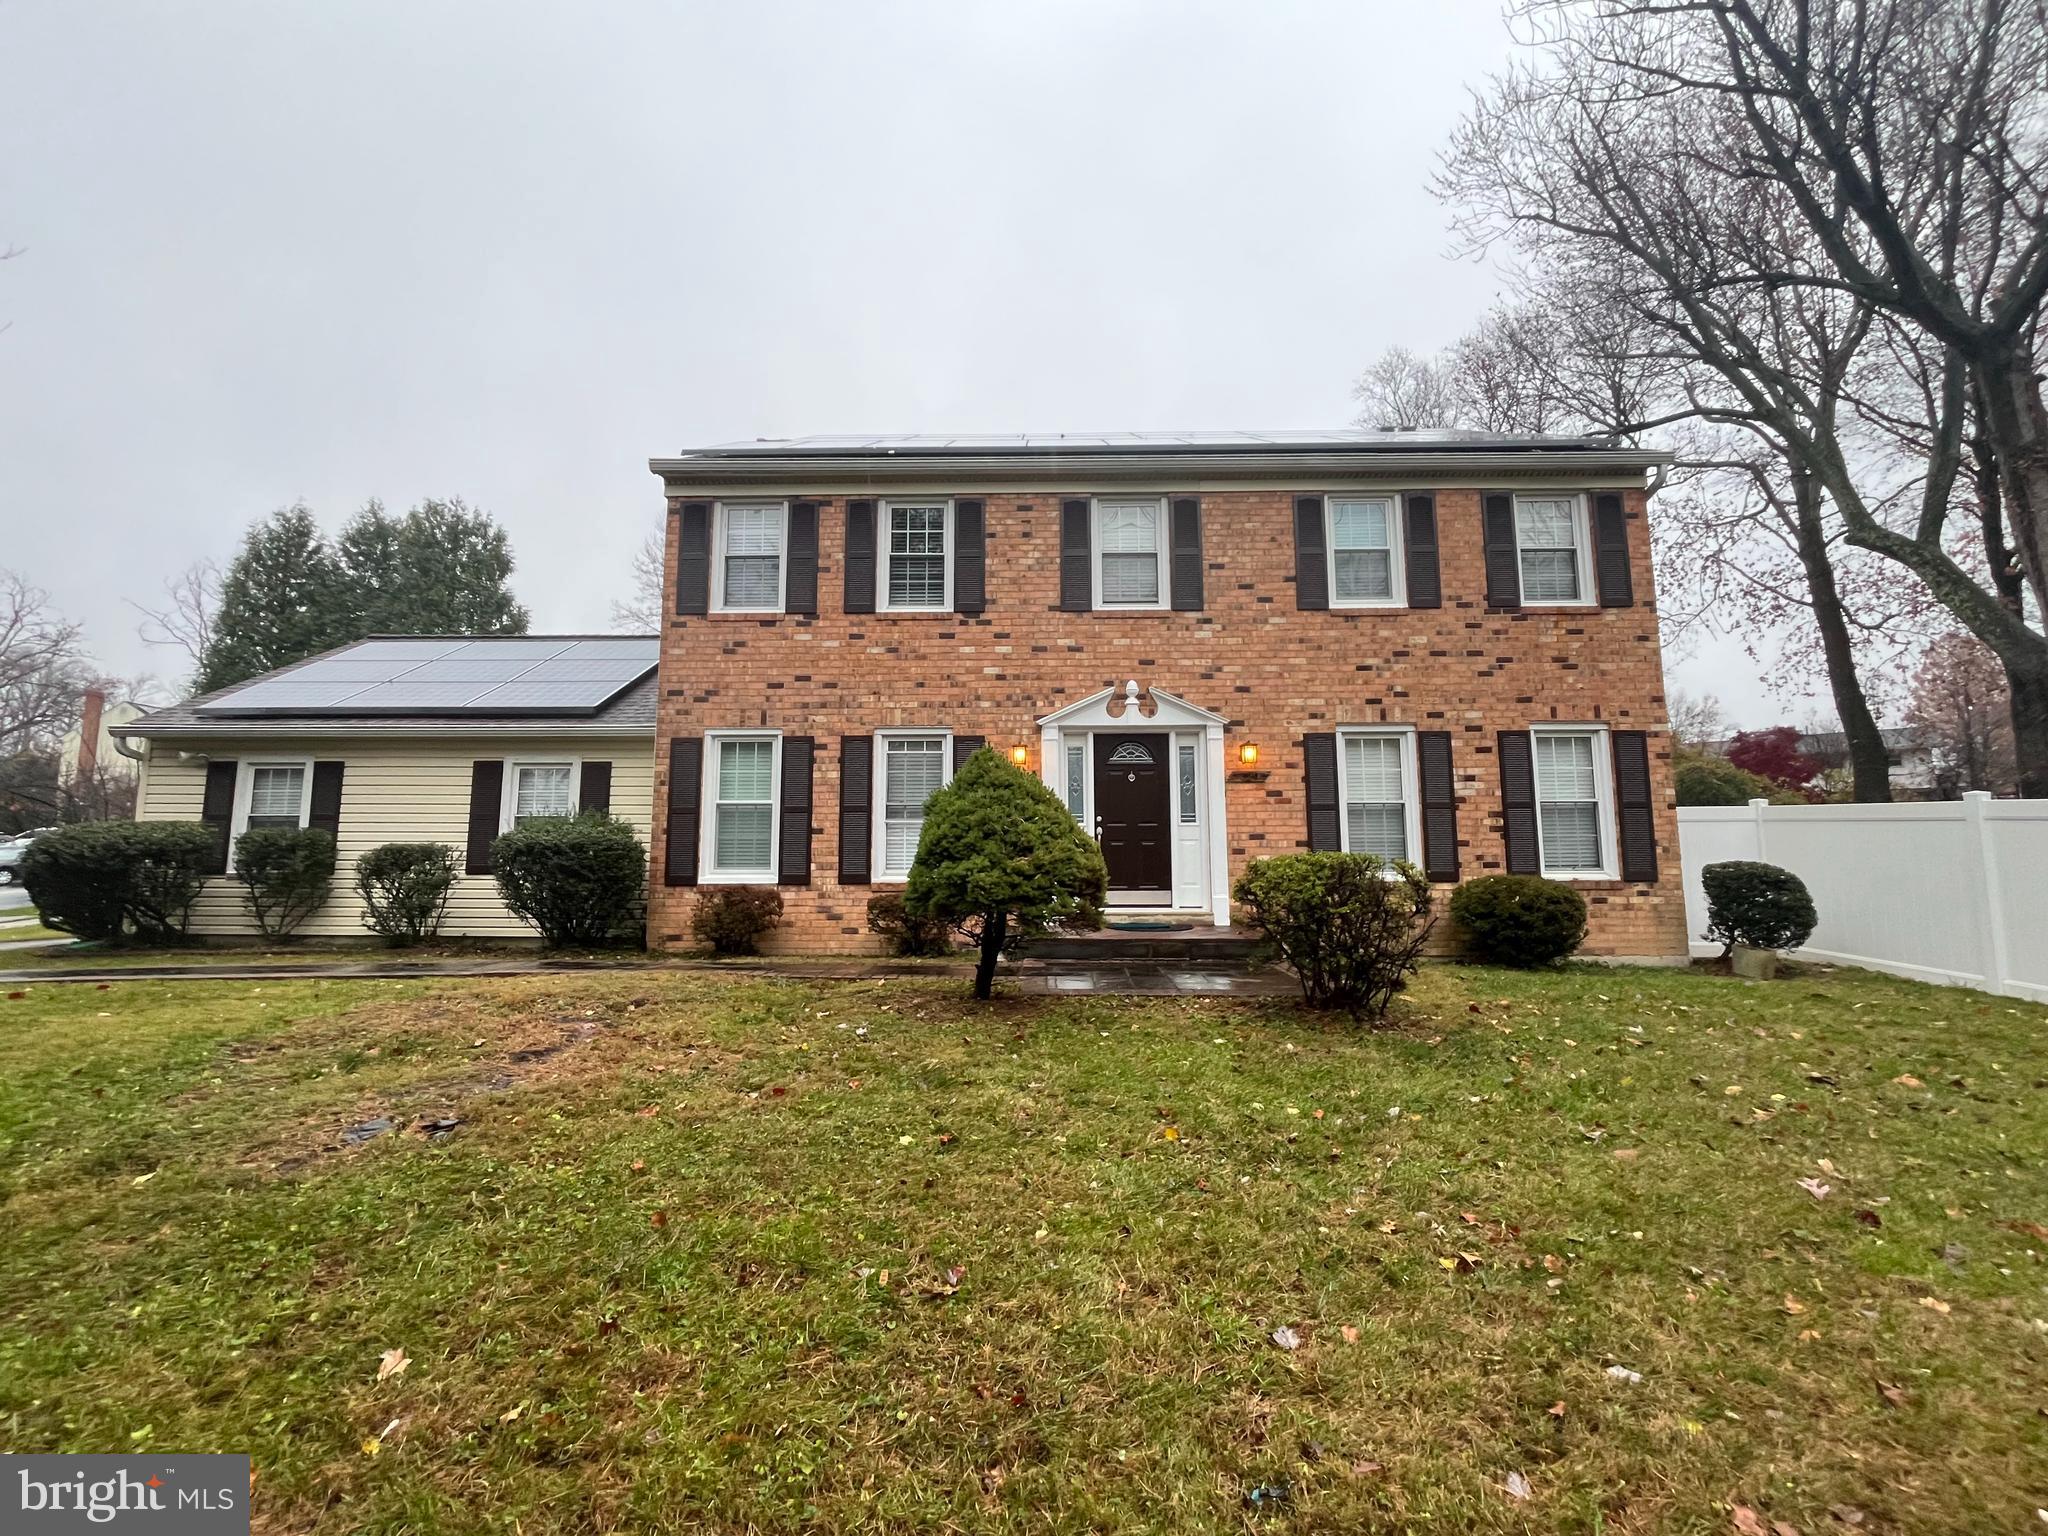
pixel 1196 944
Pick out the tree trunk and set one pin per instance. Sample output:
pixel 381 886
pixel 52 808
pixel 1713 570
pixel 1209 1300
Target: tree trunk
pixel 993 929
pixel 2016 421
pixel 2029 689
pixel 1868 761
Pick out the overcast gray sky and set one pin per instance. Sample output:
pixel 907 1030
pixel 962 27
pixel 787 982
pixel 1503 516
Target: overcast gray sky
pixel 279 249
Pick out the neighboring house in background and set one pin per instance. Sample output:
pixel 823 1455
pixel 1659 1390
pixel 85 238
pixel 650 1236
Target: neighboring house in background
pixel 1908 755
pixel 1212 647
pixel 407 739
pixel 103 720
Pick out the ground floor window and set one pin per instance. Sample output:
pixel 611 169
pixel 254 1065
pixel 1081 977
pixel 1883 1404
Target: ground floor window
pixel 537 790
pixel 913 768
pixel 1378 793
pixel 1572 802
pixel 741 828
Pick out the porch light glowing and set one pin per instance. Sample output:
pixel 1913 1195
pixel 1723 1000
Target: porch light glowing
pixel 1020 755
pixel 1248 753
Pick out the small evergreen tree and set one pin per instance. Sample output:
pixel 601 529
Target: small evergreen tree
pixel 284 599
pixel 1002 860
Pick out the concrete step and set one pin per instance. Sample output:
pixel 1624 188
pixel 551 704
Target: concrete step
pixel 1193 945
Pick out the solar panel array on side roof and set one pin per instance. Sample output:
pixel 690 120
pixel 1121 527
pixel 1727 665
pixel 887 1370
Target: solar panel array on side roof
pixel 534 675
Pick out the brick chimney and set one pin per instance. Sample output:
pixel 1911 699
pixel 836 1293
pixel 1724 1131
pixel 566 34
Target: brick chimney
pixel 89 734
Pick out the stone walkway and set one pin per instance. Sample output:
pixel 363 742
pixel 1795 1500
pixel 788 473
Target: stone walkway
pixel 1030 977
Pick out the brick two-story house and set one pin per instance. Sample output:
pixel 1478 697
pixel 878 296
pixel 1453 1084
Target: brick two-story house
pixel 1214 647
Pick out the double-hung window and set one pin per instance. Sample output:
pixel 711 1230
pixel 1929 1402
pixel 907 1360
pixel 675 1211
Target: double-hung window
pixel 270 795
pixel 914 766
pixel 536 790
pixel 1550 544
pixel 915 571
pixel 740 773
pixel 1129 535
pixel 1379 799
pixel 1363 544
pixel 1573 802
pixel 749 558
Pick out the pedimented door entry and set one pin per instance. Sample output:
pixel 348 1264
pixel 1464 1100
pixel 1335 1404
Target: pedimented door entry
pixel 1133 777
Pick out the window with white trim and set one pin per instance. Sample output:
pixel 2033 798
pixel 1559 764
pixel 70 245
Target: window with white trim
pixel 537 789
pixel 740 794
pixel 1130 536
pixel 270 794
pixel 915 571
pixel 1574 803
pixel 1364 543
pixel 749 563
pixel 1379 792
pixel 1550 545
pixel 1184 763
pixel 1077 780
pixel 913 768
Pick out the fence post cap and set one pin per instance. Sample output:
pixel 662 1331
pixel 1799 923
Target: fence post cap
pixel 1758 802
pixel 1976 794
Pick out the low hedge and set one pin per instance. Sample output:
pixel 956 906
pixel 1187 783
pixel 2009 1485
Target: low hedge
pixel 404 887
pixel 907 933
pixel 1520 920
pixel 732 918
pixel 1757 905
pixel 288 871
pixel 1351 926
pixel 119 879
pixel 581 880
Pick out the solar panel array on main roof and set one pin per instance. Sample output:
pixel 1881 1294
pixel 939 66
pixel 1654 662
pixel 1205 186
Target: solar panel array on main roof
pixel 520 676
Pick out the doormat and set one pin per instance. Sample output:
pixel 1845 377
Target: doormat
pixel 1147 925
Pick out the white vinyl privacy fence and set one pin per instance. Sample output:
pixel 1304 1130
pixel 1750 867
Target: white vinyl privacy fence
pixel 1945 891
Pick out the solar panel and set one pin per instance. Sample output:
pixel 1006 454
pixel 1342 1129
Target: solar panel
pixel 450 677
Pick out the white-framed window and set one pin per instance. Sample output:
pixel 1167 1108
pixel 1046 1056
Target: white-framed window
pixel 1574 802
pixel 537 787
pixel 1376 770
pixel 748 556
pixel 913 764
pixel 1551 548
pixel 270 792
pixel 1365 551
pixel 1184 782
pixel 1130 552
pixel 1077 779
pixel 742 778
pixel 916 569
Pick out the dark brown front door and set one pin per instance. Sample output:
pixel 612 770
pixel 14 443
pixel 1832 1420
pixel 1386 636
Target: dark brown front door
pixel 1131 811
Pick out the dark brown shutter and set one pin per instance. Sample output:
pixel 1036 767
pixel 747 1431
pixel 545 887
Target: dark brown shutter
pixel 1325 815
pixel 1610 562
pixel 1187 554
pixel 859 596
pixel 1425 582
pixel 595 788
pixel 795 852
pixel 1311 560
pixel 965 747
pixel 856 808
pixel 1503 565
pixel 1077 576
pixel 486 805
pixel 1633 808
pixel 970 556
pixel 217 811
pixel 323 810
pixel 693 558
pixel 800 585
pixel 1439 805
pixel 1518 803
pixel 685 796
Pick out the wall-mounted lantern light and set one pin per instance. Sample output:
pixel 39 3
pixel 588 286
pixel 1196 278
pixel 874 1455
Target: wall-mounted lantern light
pixel 1248 753
pixel 1020 754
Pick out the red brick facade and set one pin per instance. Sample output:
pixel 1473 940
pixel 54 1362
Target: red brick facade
pixel 1276 673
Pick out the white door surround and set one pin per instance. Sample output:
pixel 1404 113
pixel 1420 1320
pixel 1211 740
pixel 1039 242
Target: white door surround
pixel 1201 861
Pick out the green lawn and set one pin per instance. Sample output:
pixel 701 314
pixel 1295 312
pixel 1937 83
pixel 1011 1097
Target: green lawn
pixel 773 1255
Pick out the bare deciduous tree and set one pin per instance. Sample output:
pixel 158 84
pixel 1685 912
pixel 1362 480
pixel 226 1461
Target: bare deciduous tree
pixel 191 600
pixel 641 614
pixel 1958 704
pixel 44 671
pixel 1402 392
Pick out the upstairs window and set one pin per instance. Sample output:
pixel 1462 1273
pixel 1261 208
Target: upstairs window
pixel 1376 793
pixel 749 561
pixel 915 570
pixel 1571 802
pixel 913 769
pixel 1362 534
pixel 1550 542
pixel 1128 536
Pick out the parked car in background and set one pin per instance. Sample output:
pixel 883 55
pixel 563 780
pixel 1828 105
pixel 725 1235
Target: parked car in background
pixel 11 851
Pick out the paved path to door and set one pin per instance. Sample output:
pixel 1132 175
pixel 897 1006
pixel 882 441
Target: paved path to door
pixel 1041 977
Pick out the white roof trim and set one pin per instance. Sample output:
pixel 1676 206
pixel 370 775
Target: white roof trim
pixel 1169 709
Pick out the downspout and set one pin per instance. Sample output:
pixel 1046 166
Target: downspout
pixel 1657 481
pixel 121 746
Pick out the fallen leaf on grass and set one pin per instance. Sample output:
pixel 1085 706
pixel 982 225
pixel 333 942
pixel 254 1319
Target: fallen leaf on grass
pixel 2032 1229
pixel 138 1183
pixel 1908 1080
pixel 658 1219
pixel 1556 1409
pixel 1350 1334
pixel 649 1112
pixel 1935 1304
pixel 1626 1154
pixel 1815 1188
pixel 1894 1395
pixel 511 1415
pixel 1623 1373
pixel 1870 1218
pixel 1747 1521
pixel 1286 1337
pixel 1793 1304
pixel 1169 1133
pixel 392 1363
pixel 1553 1263
pixel 1517 1486
pixel 1367 1468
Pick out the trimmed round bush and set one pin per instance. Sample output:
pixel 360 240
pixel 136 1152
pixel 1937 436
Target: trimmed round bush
pixel 405 889
pixel 288 871
pixel 1759 906
pixel 907 933
pixel 581 880
pixel 112 879
pixel 732 918
pixel 1520 920
pixel 1351 926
